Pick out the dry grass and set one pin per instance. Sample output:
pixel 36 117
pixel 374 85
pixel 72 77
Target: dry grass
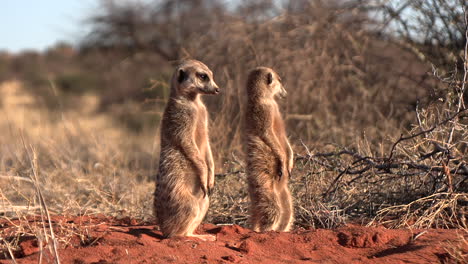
pixel 458 250
pixel 84 161
pixel 67 163
pixel 440 210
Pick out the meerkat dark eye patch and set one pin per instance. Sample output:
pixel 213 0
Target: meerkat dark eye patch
pixel 181 76
pixel 269 78
pixel 204 77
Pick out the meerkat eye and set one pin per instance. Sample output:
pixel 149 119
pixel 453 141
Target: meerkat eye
pixel 203 77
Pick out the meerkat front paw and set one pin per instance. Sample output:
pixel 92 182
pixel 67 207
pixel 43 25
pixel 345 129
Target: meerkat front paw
pixel 286 171
pixel 205 191
pixel 291 164
pixel 211 181
pixel 203 176
pixel 290 167
pixel 282 170
pixel 210 187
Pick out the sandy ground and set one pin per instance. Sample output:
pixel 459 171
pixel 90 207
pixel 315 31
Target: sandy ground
pixel 107 240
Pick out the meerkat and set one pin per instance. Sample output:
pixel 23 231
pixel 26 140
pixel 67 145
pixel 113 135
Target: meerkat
pixel 269 156
pixel 186 169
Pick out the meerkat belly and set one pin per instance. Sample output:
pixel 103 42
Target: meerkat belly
pixel 176 172
pixel 200 138
pixel 278 127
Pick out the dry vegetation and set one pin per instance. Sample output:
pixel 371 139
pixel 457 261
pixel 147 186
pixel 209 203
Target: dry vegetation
pixel 82 162
pixel 378 130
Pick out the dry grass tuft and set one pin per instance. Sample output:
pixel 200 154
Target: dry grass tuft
pixel 458 250
pixel 440 210
pixel 320 215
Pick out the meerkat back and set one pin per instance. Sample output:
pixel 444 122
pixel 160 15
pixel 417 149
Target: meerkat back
pixel 269 156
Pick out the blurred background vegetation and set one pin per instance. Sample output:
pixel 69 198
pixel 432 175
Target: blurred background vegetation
pixel 352 68
pixel 355 72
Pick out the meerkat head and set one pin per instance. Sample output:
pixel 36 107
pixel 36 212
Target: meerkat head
pixel 264 82
pixel 192 77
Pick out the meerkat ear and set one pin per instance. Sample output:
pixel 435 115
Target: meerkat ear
pixel 181 76
pixel 269 78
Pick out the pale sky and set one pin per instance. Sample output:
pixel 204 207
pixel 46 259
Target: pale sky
pixel 38 24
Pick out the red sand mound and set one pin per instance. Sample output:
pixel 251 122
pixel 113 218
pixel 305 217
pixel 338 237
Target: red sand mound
pixel 106 240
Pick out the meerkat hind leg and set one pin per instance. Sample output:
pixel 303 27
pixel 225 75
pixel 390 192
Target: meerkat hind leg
pixel 287 211
pixel 202 209
pixel 266 213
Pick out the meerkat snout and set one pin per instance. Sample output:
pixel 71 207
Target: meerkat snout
pixel 276 86
pixel 209 90
pixel 283 92
pixel 214 88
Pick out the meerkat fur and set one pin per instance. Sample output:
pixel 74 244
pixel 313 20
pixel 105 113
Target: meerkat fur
pixel 269 156
pixel 186 169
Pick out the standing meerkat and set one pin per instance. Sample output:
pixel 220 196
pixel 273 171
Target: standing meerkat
pixel 186 168
pixel 269 155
